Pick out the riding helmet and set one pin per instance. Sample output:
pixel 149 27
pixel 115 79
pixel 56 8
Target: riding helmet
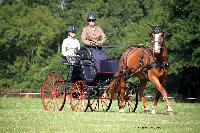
pixel 71 28
pixel 91 17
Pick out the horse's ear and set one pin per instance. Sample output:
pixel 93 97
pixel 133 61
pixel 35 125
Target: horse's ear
pixel 162 25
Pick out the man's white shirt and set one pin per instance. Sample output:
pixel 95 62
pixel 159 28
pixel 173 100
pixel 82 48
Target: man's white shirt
pixel 69 46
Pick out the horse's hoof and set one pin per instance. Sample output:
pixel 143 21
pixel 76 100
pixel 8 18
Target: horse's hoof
pixel 153 112
pixel 147 111
pixel 121 110
pixel 171 113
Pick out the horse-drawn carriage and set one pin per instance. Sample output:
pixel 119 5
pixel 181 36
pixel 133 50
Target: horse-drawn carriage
pixel 86 83
pixel 96 80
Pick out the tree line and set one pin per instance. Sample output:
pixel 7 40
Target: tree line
pixel 32 31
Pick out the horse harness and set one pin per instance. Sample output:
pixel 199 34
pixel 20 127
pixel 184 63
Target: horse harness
pixel 127 72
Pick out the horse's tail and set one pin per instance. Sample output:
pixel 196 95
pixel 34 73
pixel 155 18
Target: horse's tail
pixel 113 87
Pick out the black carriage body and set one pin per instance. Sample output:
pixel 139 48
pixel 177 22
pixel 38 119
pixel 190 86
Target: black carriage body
pixel 86 86
pixel 94 66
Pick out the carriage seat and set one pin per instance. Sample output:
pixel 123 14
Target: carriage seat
pixel 85 54
pixel 70 61
pixel 92 53
pixel 86 63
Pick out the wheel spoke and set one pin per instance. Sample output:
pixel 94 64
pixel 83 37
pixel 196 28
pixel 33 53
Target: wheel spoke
pixel 57 104
pixel 48 87
pixel 52 81
pixel 60 100
pixel 100 103
pixel 50 103
pixel 130 98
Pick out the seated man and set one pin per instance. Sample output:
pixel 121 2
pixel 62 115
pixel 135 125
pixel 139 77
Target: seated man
pixel 70 46
pixel 94 37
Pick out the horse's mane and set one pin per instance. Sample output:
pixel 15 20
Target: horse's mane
pixel 139 46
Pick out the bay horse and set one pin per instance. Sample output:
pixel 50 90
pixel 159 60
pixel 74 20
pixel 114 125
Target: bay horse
pixel 148 63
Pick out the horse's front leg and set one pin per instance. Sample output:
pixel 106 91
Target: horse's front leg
pixel 161 89
pixel 121 93
pixel 141 87
pixel 155 102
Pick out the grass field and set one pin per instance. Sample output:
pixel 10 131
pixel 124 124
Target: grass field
pixel 28 115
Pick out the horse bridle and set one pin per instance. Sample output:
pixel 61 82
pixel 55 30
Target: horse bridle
pixel 156 63
pixel 161 47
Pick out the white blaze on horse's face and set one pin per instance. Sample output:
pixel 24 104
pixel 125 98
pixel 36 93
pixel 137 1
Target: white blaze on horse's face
pixel 156 45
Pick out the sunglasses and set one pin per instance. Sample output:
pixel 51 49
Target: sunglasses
pixel 91 20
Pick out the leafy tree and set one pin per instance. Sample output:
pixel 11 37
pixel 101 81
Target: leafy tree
pixel 31 33
pixel 185 38
pixel 27 37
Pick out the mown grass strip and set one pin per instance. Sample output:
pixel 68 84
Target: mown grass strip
pixel 28 115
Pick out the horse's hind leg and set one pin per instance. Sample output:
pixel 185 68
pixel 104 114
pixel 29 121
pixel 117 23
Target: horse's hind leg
pixel 141 86
pixel 121 93
pixel 112 88
pixel 155 102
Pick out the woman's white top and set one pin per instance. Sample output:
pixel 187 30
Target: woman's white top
pixel 69 46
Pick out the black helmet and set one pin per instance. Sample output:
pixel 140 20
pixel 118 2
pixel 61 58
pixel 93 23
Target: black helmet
pixel 71 28
pixel 91 17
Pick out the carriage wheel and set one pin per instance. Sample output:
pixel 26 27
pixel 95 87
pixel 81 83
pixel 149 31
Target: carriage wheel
pixel 78 96
pixel 130 98
pixel 53 92
pixel 99 100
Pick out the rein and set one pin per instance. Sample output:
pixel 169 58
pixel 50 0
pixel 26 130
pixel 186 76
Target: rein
pixel 157 63
pixel 128 72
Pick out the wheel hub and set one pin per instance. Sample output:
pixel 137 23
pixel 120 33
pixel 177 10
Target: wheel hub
pixel 55 93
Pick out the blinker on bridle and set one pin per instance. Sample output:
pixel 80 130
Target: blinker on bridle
pixel 157 30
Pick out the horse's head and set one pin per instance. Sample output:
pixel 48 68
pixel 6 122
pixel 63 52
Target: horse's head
pixel 157 38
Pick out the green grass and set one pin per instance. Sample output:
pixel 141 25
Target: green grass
pixel 28 115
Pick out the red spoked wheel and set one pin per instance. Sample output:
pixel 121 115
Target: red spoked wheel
pixel 78 96
pixel 130 98
pixel 100 100
pixel 53 92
